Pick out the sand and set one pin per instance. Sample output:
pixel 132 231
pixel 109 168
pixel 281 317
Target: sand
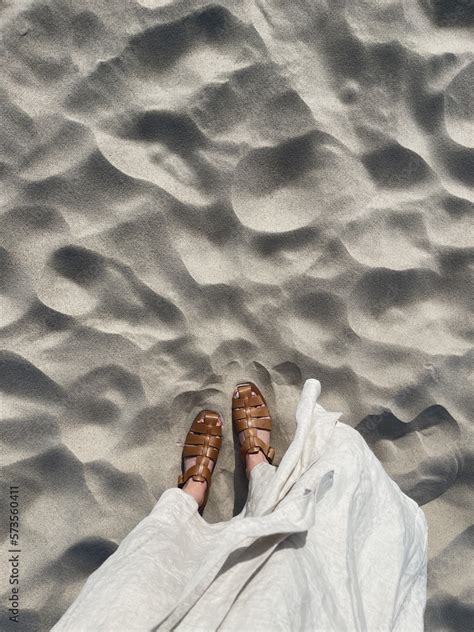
pixel 195 194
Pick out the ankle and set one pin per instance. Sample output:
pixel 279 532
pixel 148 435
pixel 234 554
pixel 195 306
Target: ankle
pixel 251 460
pixel 196 489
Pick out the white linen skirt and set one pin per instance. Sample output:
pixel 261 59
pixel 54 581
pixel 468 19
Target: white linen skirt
pixel 326 541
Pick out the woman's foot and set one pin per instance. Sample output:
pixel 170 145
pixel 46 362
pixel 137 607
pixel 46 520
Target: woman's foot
pixel 255 408
pixel 198 489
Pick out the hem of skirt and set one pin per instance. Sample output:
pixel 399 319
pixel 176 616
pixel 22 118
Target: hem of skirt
pixel 180 497
pixel 259 467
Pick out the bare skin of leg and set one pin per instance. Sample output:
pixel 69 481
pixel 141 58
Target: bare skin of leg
pixel 251 460
pixel 196 489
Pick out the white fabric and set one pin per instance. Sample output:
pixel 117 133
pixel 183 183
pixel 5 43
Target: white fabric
pixel 326 541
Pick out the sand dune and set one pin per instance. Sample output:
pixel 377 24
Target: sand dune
pixel 197 193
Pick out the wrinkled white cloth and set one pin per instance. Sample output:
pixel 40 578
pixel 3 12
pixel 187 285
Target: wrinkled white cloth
pixel 326 541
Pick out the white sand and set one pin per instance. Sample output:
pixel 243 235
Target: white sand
pixel 197 194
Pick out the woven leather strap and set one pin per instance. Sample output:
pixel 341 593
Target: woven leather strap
pixel 249 414
pixel 203 441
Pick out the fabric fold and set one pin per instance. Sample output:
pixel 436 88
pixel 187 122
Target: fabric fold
pixel 326 541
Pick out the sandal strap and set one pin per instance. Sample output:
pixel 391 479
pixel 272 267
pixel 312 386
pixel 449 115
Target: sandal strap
pixel 252 444
pixel 199 472
pixel 250 413
pixel 260 424
pixel 241 402
pixel 205 429
pixel 195 450
pixel 203 441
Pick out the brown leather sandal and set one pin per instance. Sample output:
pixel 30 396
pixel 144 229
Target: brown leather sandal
pixel 249 414
pixel 203 441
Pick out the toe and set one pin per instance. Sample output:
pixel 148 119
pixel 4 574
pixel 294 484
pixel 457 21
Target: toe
pixel 213 421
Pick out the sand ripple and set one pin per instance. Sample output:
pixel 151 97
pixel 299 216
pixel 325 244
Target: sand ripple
pixel 194 194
